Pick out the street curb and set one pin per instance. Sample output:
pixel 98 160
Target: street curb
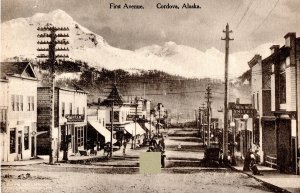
pixel 267 184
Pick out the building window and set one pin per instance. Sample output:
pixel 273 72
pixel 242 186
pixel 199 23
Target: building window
pixel 257 99
pixel 253 100
pixel 26 137
pixel 3 120
pixel 17 103
pixel 28 103
pixel 12 147
pixel 70 108
pixel 63 109
pixel 103 122
pixel 32 103
pixel 13 102
pixel 115 117
pixel 21 103
pixel 83 111
pixel 77 110
pixel 80 136
pixel 282 84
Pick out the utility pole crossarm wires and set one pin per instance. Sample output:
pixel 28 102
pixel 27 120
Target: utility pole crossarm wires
pixel 208 97
pixel 51 60
pixel 225 130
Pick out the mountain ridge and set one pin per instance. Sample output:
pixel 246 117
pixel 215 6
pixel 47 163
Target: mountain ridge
pixel 90 47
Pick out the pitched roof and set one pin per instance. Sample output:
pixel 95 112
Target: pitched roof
pixel 16 68
pixel 114 96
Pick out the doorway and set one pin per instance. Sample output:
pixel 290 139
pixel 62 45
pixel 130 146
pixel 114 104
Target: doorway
pixel 20 145
pixel 32 146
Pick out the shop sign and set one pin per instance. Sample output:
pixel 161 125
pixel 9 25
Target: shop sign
pixel 238 110
pixel 75 118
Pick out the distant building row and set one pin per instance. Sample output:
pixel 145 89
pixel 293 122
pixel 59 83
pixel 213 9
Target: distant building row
pixel 25 117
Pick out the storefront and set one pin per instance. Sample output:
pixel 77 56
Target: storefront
pixel 269 140
pixel 286 144
pixel 98 135
pixel 73 132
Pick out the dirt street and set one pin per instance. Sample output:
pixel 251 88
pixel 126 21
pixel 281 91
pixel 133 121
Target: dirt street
pixel 49 182
pixel 182 174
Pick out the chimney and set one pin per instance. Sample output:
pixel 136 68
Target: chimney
pixel 274 48
pixel 290 39
pixel 237 101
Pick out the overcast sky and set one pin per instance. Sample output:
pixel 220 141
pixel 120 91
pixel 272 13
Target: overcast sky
pixel 252 21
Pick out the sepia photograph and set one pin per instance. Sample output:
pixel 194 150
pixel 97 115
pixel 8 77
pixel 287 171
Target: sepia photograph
pixel 154 96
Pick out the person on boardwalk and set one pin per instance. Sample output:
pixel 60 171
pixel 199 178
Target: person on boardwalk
pixel 161 143
pixel 253 165
pixel 124 147
pixel 247 161
pixel 107 149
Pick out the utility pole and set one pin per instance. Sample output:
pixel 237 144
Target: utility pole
pixel 225 130
pixel 135 118
pixel 200 121
pixel 112 126
pixel 158 120
pixel 150 126
pixel 208 102
pixel 50 32
pixel 112 116
pixel 196 116
pixel 144 88
pixel 201 114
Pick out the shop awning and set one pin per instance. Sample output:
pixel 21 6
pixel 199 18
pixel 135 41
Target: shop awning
pixel 130 128
pixel 147 125
pixel 102 130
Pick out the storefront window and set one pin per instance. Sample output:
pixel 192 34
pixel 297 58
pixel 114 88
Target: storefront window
pixel 80 136
pixel 26 137
pixel 12 141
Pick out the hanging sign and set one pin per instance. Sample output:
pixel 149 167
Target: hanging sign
pixel 238 110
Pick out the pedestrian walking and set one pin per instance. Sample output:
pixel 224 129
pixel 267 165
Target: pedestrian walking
pixel 124 147
pixel 107 149
pixel 162 158
pixel 161 143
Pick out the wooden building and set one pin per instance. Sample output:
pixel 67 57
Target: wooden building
pixel 18 111
pixel 275 84
pixel 70 106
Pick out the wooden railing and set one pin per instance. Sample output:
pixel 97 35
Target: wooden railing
pixel 271 161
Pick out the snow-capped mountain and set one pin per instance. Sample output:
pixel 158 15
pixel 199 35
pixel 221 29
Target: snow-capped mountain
pixel 19 38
